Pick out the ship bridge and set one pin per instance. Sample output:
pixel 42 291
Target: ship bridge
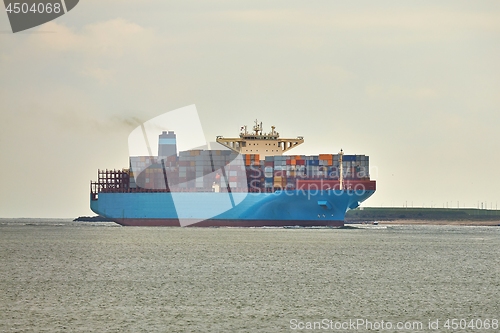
pixel 259 142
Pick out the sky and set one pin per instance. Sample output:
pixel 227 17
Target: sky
pixel 413 84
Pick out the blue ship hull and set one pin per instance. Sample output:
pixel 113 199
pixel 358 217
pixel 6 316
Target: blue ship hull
pixel 206 209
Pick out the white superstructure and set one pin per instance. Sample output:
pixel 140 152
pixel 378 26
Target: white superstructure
pixel 258 142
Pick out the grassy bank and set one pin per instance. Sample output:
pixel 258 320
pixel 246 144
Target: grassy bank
pixel 429 214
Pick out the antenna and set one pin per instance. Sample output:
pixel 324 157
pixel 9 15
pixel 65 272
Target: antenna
pixel 256 127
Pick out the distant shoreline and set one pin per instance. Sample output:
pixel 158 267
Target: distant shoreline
pixel 425 216
pixel 96 218
pixel 441 222
pixel 428 222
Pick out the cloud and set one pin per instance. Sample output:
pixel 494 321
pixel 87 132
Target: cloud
pixel 57 79
pixel 96 51
pixel 111 38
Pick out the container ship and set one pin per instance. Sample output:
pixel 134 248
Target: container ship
pixel 247 182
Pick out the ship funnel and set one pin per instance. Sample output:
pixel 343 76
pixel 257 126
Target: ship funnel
pixel 167 144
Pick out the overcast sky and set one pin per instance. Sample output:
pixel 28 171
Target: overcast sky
pixel 413 84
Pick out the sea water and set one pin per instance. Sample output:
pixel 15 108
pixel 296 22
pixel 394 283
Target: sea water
pixel 63 276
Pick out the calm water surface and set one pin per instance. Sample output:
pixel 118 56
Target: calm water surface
pixel 61 276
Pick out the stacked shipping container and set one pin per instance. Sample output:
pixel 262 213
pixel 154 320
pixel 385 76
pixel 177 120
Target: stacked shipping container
pixel 224 170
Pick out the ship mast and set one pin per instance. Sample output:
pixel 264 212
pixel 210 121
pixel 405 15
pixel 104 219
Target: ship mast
pixel 341 178
pixel 257 128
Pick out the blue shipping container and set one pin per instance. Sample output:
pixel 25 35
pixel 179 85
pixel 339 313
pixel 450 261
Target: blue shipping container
pixel 312 162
